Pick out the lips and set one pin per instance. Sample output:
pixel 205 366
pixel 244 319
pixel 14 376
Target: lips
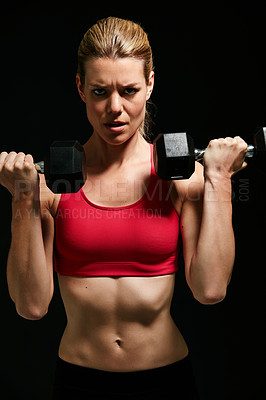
pixel 115 126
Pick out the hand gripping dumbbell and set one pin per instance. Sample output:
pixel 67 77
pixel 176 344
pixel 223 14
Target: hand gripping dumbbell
pixel 175 154
pixel 62 166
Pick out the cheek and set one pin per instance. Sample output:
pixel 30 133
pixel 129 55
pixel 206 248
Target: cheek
pixel 94 110
pixel 138 111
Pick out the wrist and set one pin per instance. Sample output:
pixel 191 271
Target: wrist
pixel 26 192
pixel 27 207
pixel 218 188
pixel 217 175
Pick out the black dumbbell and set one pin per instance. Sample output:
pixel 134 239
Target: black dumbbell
pixel 175 154
pixel 62 166
pixel 174 158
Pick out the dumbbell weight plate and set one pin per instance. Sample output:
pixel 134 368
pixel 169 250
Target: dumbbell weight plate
pixel 260 148
pixel 174 156
pixel 62 166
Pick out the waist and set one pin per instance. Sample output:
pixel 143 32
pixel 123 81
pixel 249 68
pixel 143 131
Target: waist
pixel 130 346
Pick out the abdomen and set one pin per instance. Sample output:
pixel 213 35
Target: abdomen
pixel 120 324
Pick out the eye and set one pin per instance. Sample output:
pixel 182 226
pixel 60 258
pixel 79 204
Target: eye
pixel 99 92
pixel 130 91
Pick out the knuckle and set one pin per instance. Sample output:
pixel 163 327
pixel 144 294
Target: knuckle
pixel 241 144
pixel 18 165
pixel 29 163
pixel 229 141
pixel 20 156
pixel 244 147
pixel 239 140
pixel 3 156
pixel 212 142
pixel 8 166
pixel 222 142
pixel 28 166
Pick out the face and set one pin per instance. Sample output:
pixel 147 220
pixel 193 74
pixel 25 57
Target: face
pixel 115 93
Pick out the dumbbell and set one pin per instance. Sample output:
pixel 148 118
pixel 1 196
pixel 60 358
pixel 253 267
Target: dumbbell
pixel 174 158
pixel 62 166
pixel 174 154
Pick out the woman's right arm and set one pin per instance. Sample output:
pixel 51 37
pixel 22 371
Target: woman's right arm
pixel 30 258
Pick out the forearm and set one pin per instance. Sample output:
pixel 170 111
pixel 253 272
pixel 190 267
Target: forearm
pixel 29 279
pixel 212 262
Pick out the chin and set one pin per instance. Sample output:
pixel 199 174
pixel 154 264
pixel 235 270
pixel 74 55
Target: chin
pixel 118 139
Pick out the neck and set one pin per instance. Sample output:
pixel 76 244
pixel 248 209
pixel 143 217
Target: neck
pixel 99 152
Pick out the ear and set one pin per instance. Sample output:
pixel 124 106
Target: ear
pixel 80 88
pixel 150 86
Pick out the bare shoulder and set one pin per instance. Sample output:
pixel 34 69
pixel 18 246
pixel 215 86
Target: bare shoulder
pixel 187 189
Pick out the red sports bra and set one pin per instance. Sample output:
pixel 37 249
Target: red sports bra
pixel 139 239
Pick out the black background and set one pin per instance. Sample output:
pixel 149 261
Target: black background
pixel 210 71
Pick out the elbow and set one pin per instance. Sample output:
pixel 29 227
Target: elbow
pixel 210 296
pixel 31 313
pixel 31 307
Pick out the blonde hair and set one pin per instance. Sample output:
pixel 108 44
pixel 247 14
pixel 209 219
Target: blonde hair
pixel 117 38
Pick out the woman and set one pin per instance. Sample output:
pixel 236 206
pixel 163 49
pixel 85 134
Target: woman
pixel 114 243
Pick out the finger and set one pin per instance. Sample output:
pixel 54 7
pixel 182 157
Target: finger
pixel 29 161
pixel 213 142
pixel 244 165
pixel 19 160
pixel 238 139
pixel 3 157
pixel 242 145
pixel 38 168
pixel 9 161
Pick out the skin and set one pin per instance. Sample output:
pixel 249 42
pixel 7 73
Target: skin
pixel 121 323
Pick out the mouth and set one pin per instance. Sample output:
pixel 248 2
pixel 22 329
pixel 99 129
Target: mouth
pixel 116 125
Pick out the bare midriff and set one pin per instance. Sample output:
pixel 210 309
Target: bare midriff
pixel 120 323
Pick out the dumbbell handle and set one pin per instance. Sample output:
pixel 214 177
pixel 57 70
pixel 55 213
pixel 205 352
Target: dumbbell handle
pixel 199 153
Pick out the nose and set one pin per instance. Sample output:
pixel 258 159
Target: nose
pixel 114 105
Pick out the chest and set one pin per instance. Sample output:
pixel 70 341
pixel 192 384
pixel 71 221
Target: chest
pixel 118 189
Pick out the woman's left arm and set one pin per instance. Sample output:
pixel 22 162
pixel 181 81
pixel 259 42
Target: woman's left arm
pixel 206 220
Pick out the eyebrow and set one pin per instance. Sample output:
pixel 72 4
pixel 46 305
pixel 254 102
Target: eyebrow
pixel 103 85
pixel 96 83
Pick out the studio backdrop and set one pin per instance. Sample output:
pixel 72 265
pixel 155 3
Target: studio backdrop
pixel 210 81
